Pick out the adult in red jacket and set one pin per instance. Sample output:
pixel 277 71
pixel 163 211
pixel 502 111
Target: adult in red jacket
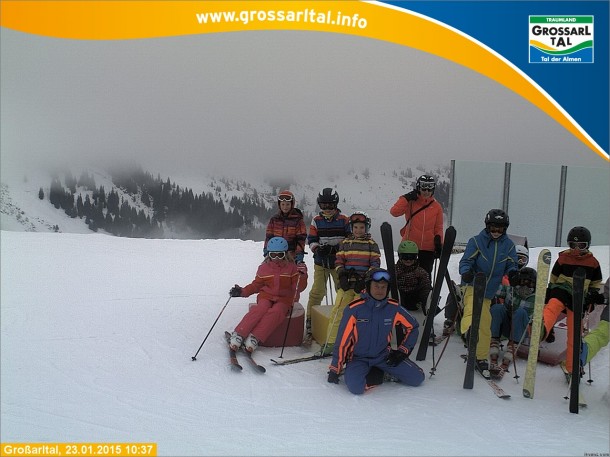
pixel 276 282
pixel 424 220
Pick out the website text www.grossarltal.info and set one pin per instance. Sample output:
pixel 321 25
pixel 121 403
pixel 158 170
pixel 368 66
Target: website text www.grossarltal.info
pixel 307 15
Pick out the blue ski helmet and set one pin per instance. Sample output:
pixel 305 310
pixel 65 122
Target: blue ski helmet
pixel 277 244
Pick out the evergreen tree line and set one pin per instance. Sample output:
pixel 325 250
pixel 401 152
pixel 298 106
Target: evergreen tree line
pixel 176 210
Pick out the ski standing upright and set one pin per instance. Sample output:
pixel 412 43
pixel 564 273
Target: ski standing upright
pixel 435 295
pixel 388 249
pixel 577 307
pixel 473 335
pixel 543 268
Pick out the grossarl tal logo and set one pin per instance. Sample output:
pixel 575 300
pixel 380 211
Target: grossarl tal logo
pixel 561 39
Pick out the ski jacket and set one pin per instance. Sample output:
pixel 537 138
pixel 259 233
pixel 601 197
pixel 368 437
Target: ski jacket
pixel 423 226
pixel 412 278
pixel 366 327
pixel 327 231
pixel 289 226
pixel 358 254
pixel 276 281
pixel 494 258
pixel 567 262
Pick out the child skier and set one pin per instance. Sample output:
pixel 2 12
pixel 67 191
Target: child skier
pixel 356 255
pixel 559 292
pixel 490 252
pixel 412 280
pixel 510 319
pixel 288 223
pixel 326 231
pixel 276 283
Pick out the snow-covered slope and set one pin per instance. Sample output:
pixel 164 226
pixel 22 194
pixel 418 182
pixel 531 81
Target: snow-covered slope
pixel 97 334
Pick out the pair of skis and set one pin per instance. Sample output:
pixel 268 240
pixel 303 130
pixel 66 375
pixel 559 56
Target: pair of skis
pixel 480 282
pixel 235 365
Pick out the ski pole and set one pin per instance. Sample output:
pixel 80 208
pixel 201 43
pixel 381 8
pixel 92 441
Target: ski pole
pixel 206 337
pixel 294 299
pixel 456 315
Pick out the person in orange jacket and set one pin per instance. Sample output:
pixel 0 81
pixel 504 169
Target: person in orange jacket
pixel 424 220
pixel 276 282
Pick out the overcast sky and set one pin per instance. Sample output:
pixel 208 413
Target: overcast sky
pixel 271 102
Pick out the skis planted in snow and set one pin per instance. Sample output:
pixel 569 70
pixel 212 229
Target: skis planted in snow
pixel 436 292
pixel 578 298
pixel 542 278
pixel 480 282
pixel 388 250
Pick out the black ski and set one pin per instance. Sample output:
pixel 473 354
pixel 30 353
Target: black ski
pixel 477 305
pixel 300 359
pixel 578 295
pixel 435 295
pixel 259 368
pixel 388 250
pixel 494 386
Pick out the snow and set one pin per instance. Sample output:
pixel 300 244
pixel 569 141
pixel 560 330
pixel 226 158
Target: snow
pixel 97 335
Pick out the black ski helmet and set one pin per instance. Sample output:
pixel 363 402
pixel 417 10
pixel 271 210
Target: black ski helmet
pixel 497 217
pixel 527 274
pixel 328 195
pixel 426 182
pixel 579 233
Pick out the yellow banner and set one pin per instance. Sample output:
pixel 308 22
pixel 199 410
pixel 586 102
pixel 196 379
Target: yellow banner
pixel 120 20
pixel 79 449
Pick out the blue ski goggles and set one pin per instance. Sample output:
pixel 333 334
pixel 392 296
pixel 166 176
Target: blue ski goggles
pixel 380 276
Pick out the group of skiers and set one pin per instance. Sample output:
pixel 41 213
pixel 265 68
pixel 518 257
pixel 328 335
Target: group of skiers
pixel 370 334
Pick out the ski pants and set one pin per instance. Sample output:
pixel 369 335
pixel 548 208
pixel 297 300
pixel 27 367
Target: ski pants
pixel 318 289
pixel 344 297
pixel 407 372
pixel 503 325
pixel 550 314
pixel 484 326
pixel 263 318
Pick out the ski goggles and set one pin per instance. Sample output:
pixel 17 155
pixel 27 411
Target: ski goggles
pixel 427 186
pixel 285 198
pixel 407 256
pixel 496 228
pixel 327 205
pixel 380 276
pixel 277 255
pixel 357 218
pixel 580 245
pixel 527 283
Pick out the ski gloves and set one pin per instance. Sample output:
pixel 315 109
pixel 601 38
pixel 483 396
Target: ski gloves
pixel 333 377
pixel 235 291
pixel 468 276
pixel 395 357
pixel 344 280
pixel 594 298
pixel 411 196
pixel 302 268
pixel 326 249
pixel 438 247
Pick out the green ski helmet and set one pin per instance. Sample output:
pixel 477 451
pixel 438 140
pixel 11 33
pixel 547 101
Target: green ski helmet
pixel 408 250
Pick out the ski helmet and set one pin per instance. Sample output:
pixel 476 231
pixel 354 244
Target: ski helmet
pixel 497 217
pixel 426 182
pixel 360 216
pixel 408 250
pixel 285 196
pixel 328 195
pixel 580 234
pixel 527 277
pixel 377 275
pixel 277 244
pixel 523 256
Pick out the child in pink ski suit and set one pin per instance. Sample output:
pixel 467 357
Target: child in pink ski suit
pixel 276 282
